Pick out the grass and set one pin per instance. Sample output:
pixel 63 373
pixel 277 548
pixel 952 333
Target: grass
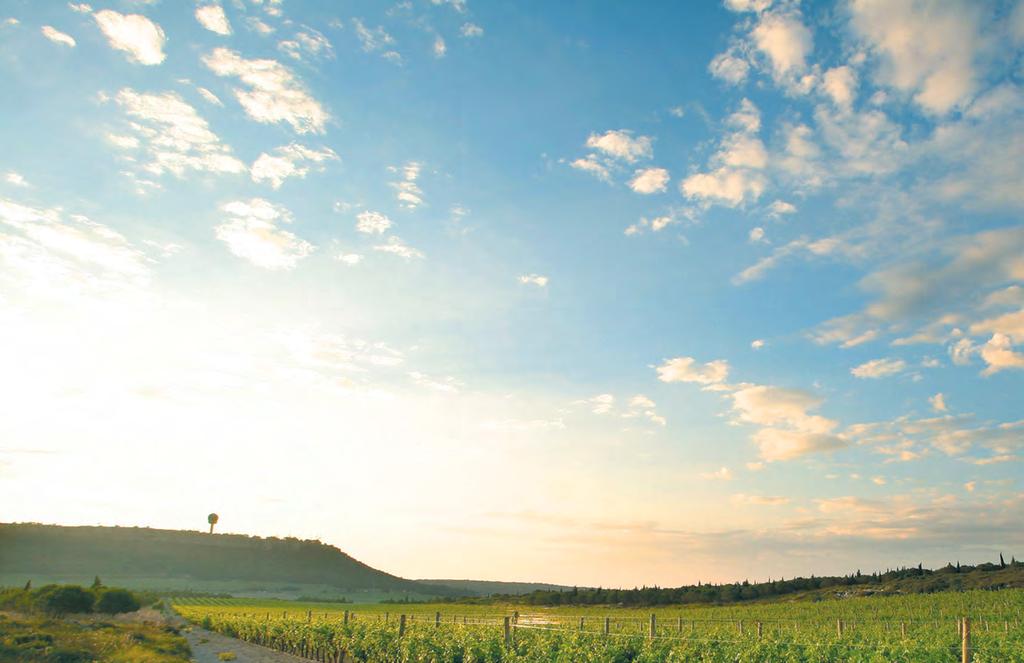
pixel 35 639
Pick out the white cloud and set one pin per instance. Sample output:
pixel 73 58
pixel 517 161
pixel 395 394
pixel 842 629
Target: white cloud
pixel 819 247
pixel 17 179
pixel 686 369
pixel 142 39
pixel 534 279
pixel 350 259
pixel 209 96
pixel 273 94
pixel 998 353
pixel 938 402
pixel 407 191
pixel 620 144
pixel 757 344
pixel 80 7
pixel 785 40
pixel 927 49
pixel 399 248
pixel 591 165
pixel 747 5
pixel 601 404
pixel 57 37
pixel 756 235
pixel 177 138
pixel 656 224
pixel 213 18
pixel 374 39
pixel 781 208
pixel 372 223
pixel 251 231
pixel 471 30
pixel 47 254
pixel 840 83
pixel 258 26
pixel 721 474
pixel 289 161
pixel 729 67
pixel 440 48
pixel 736 177
pixel 724 185
pixel 878 368
pixel 307 43
pixel 649 180
pixel 759 500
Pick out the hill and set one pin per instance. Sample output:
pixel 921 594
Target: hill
pixel 184 560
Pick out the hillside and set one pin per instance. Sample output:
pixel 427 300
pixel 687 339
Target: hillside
pixel 171 559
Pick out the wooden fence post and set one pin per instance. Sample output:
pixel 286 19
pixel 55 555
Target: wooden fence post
pixel 654 627
pixel 607 625
pixel 965 651
pixel 759 630
pixel 515 617
pixel 679 625
pixel 581 623
pixel 345 618
pixel 839 628
pixel 401 625
pixel 508 632
pixel 741 627
pixel 903 630
pixel 437 619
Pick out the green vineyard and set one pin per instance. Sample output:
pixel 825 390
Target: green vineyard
pixel 983 627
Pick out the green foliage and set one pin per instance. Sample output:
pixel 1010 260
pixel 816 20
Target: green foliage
pixel 114 601
pixel 791 632
pixel 63 599
pixel 226 656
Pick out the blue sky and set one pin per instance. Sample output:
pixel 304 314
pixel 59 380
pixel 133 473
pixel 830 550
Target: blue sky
pixel 598 294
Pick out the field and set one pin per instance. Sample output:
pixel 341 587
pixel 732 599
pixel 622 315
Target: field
pixel 25 638
pixel 913 628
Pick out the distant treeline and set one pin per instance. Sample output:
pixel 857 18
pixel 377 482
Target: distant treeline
pixel 903 580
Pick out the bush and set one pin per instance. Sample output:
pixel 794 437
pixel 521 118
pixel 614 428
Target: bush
pixel 63 599
pixel 113 601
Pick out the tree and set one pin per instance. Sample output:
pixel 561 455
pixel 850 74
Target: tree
pixel 63 599
pixel 96 583
pixel 28 585
pixel 212 519
pixel 114 601
pixel 1002 562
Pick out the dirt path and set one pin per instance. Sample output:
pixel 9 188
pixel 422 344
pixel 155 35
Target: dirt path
pixel 206 646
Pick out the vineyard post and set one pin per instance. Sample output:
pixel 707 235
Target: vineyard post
pixel 759 630
pixel 345 618
pixel 607 625
pixel 515 616
pixel 508 632
pixel 437 619
pixel 401 625
pixel 679 625
pixel 387 617
pixel 581 623
pixel 654 627
pixel 309 616
pixel 965 651
pixel 903 630
pixel 839 628
pixel 741 627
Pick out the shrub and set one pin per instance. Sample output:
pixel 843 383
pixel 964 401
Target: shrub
pixel 63 599
pixel 113 601
pixel 227 656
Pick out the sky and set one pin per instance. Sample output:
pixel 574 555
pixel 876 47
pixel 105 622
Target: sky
pixel 590 293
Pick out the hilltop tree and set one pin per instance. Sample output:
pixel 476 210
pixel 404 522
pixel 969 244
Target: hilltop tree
pixel 212 519
pixel 96 583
